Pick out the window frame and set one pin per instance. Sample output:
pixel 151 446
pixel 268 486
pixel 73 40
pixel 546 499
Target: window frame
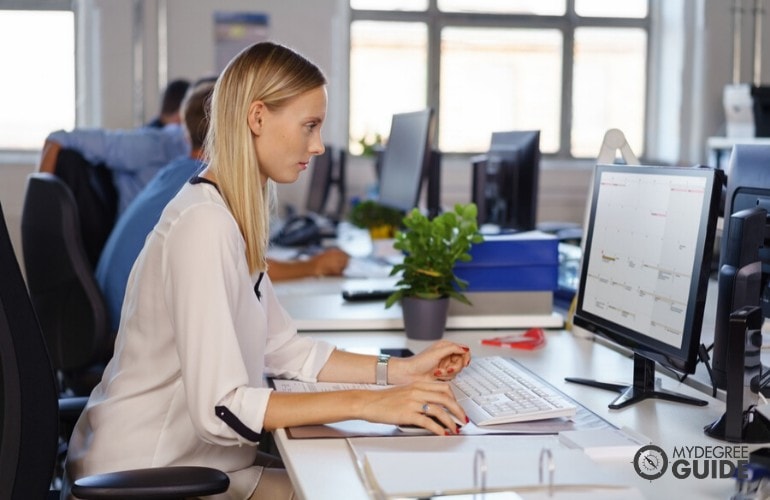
pixel 436 20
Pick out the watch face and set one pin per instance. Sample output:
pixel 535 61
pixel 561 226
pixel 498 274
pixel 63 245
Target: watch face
pixel 650 462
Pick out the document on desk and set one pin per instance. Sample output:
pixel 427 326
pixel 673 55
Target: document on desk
pixel 583 419
pixel 524 465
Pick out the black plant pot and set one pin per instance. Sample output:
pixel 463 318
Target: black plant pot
pixel 424 319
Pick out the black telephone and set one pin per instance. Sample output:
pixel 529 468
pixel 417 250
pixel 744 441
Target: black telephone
pixel 298 231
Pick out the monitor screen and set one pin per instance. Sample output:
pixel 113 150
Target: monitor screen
pixel 320 182
pixel 647 260
pixel 404 159
pixel 505 186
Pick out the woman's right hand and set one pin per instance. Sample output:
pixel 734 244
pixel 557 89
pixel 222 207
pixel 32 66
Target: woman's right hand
pixel 418 403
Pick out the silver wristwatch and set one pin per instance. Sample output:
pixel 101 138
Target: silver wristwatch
pixel 381 371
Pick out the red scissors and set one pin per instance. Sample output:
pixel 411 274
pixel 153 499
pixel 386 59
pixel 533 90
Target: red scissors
pixel 531 339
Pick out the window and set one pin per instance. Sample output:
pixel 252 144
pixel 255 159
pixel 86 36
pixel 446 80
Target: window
pixel 489 75
pixel 37 94
pixel 388 74
pixel 569 69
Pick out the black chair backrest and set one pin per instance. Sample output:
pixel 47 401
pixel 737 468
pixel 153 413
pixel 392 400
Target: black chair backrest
pixel 96 197
pixel 69 303
pixel 28 391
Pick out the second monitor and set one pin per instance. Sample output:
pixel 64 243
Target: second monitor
pixel 406 159
pixel 506 179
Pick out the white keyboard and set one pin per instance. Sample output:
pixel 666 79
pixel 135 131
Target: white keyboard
pixel 495 390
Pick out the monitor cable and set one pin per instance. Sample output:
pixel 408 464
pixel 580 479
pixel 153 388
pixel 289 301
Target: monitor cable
pixel 703 355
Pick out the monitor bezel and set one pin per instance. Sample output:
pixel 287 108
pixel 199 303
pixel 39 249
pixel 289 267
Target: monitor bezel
pixel 685 357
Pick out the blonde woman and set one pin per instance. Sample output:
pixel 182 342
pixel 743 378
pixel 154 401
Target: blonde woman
pixel 202 327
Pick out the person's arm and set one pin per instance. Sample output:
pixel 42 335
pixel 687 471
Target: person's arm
pixel 330 262
pixel 420 378
pixel 49 157
pixel 400 405
pixel 442 360
pixel 129 149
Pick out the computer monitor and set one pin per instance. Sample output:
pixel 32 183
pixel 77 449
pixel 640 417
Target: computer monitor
pixel 326 171
pixel 505 181
pixel 405 159
pixel 645 269
pixel 744 240
pixel 320 182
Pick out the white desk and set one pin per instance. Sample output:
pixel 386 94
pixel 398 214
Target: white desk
pixel 323 468
pixel 316 305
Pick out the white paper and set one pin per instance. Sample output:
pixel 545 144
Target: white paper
pixel 605 444
pixel 283 385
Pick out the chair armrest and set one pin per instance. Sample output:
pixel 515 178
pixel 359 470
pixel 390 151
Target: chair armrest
pixel 71 408
pixel 152 483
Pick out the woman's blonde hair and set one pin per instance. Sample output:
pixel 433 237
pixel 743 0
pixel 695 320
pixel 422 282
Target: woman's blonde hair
pixel 265 72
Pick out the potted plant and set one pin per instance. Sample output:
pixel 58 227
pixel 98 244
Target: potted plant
pixel 381 221
pixel 432 247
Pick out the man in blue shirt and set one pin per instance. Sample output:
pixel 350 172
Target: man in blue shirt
pixel 137 221
pixel 134 156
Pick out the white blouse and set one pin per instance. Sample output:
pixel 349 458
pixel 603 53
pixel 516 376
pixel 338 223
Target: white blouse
pixel 193 336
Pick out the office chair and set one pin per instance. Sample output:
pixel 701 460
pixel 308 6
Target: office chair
pixel 69 304
pixel 29 414
pixel 96 198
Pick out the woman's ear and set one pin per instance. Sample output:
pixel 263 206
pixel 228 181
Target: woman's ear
pixel 256 111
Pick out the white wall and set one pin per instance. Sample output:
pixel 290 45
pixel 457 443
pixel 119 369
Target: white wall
pixel 692 43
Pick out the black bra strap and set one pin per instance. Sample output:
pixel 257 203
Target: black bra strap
pixel 197 179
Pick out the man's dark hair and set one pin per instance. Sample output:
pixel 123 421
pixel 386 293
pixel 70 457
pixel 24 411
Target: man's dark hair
pixel 195 112
pixel 173 95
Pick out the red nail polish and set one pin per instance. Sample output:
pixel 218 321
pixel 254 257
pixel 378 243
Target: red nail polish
pixel 467 420
pixel 450 370
pixel 466 348
pixel 437 373
pixel 446 433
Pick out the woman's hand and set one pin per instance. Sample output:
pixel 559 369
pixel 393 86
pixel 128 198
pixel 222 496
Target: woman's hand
pixel 430 405
pixel 440 361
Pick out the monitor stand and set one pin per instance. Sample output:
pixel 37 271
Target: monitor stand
pixel 643 387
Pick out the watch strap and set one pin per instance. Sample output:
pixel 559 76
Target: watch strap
pixel 381 370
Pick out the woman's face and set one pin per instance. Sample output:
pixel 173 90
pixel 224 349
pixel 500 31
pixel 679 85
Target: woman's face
pixel 286 139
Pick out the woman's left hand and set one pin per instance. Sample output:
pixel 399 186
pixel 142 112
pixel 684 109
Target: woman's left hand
pixel 442 360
